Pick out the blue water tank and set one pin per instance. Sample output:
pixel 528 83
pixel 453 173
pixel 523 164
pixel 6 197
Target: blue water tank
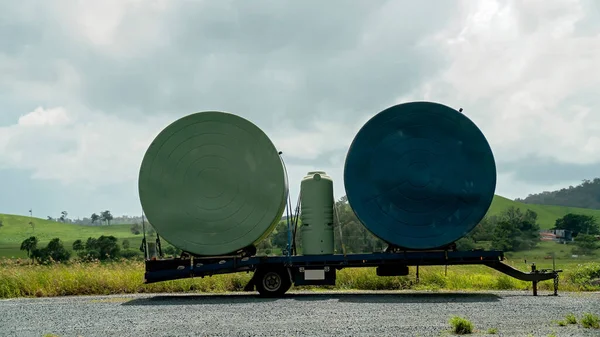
pixel 420 175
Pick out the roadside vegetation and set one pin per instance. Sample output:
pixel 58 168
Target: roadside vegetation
pixel 590 321
pixel 587 321
pixel 21 278
pixel 107 265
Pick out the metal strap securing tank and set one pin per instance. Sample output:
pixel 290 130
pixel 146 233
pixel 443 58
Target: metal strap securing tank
pixel 295 223
pixel 339 226
pixel 146 257
pixel 288 212
pixel 291 236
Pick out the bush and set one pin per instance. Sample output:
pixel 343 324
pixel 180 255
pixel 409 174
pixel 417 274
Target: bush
pixel 590 321
pixel 54 251
pixel 130 254
pixel 78 245
pixel 584 275
pixel 585 244
pixel 136 229
pixel 103 248
pixel 88 255
pixel 461 326
pixel 465 244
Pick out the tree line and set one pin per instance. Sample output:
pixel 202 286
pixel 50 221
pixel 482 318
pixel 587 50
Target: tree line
pixel 105 217
pixel 584 195
pixel 103 248
pixel 97 219
pixel 511 230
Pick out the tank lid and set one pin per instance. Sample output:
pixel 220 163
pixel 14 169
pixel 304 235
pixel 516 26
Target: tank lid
pixel 312 173
pixel 316 175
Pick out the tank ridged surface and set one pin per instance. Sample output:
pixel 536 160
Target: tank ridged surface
pixel 316 200
pixel 212 183
pixel 420 175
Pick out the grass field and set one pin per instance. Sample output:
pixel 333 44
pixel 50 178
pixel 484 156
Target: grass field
pixel 547 214
pixel 16 228
pixel 24 280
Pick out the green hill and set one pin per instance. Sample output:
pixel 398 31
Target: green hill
pixel 547 214
pixel 583 195
pixel 16 228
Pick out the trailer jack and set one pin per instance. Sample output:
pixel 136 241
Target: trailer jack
pixel 534 276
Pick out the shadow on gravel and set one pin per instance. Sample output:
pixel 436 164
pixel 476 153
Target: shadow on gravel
pixel 402 298
pixel 350 298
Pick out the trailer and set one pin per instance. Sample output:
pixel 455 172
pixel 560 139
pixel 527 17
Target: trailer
pixel 418 175
pixel 273 276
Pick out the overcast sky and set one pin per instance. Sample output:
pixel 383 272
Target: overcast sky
pixel 86 85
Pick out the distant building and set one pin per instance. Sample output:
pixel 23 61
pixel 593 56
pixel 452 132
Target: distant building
pixel 558 235
pixel 547 236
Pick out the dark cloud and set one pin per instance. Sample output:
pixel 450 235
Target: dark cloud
pixel 266 61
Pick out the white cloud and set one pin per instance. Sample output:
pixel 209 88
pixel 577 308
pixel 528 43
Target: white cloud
pixel 41 117
pixel 522 74
pixel 90 150
pixel 119 28
pixel 79 149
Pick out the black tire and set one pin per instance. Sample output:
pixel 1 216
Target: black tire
pixel 272 281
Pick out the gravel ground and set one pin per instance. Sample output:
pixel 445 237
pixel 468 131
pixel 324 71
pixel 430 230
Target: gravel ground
pixel 298 314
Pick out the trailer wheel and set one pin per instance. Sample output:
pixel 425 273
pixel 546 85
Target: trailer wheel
pixel 272 281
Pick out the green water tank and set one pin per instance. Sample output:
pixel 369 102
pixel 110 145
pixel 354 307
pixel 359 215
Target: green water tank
pixel 316 199
pixel 212 183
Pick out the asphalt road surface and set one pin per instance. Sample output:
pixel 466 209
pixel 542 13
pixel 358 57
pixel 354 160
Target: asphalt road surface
pixel 298 314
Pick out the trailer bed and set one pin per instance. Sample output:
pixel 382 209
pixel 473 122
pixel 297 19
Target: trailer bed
pixel 321 269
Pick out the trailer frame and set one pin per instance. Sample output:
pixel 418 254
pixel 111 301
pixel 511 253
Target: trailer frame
pixel 274 275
